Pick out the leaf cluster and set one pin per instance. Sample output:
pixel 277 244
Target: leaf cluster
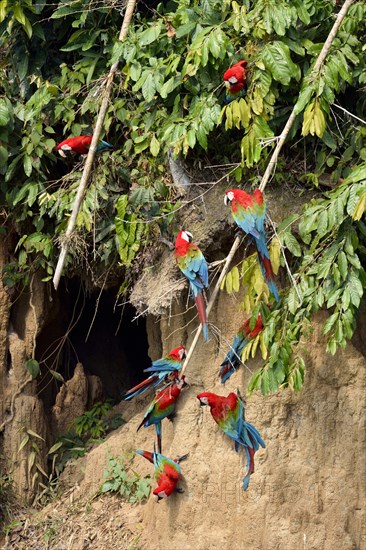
pixel 88 428
pixel 119 478
pixel 167 96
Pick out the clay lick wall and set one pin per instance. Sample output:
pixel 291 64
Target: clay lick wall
pixel 93 344
pixel 308 488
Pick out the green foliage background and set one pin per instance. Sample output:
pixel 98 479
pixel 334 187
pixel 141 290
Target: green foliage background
pixel 168 97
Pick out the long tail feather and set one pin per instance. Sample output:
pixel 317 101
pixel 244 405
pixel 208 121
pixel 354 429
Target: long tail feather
pixel 159 436
pixel 226 370
pixel 104 145
pixel 250 467
pixel 267 271
pixel 140 388
pixel 201 308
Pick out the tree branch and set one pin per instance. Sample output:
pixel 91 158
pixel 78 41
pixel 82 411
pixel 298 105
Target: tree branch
pixel 93 147
pixel 319 62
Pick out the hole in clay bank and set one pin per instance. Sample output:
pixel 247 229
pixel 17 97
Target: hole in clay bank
pixel 94 332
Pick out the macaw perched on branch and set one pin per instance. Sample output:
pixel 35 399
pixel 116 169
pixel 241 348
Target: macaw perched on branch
pixel 166 473
pixel 235 80
pixel 232 361
pixel 80 145
pixel 163 370
pixel 163 406
pixel 228 413
pixel 193 265
pixel 249 212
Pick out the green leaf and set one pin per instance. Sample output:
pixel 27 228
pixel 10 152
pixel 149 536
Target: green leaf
pixel 150 35
pixel 303 100
pixel 23 442
pixel 55 447
pixel 360 208
pixel 34 434
pixel 3 9
pixel 292 244
pixel 229 283
pixel 168 87
pixel 149 88
pixel 355 288
pixel 3 156
pixel 64 10
pixel 277 59
pixel 4 112
pixel 343 265
pixel 292 300
pixel 235 279
pixel 254 382
pixel 57 375
pixel 27 165
pixel 32 367
pixel 329 323
pixel 154 146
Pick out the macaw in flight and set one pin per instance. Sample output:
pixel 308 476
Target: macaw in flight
pixel 249 212
pixel 163 370
pixel 232 361
pixel 80 145
pixel 163 406
pixel 235 80
pixel 228 413
pixel 193 265
pixel 166 473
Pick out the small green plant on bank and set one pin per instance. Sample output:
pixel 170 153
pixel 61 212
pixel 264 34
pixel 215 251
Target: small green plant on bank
pixel 34 462
pixel 119 478
pixel 89 427
pixel 51 528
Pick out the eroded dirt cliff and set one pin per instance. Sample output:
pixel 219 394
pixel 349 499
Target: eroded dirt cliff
pixel 309 485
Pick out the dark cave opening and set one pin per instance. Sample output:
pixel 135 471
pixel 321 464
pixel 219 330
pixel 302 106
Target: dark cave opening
pixel 90 328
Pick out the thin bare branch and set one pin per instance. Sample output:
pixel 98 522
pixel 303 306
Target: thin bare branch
pixel 319 62
pixel 130 6
pixel 349 113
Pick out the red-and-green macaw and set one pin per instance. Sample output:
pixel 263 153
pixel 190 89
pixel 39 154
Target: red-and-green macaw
pixel 80 145
pixel 235 80
pixel 232 361
pixel 228 413
pixel 249 212
pixel 163 370
pixel 193 265
pixel 166 473
pixel 162 406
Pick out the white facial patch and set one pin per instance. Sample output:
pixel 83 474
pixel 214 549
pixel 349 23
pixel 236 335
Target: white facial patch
pixel 181 353
pixel 233 80
pixel 204 400
pixel 228 197
pixel 187 236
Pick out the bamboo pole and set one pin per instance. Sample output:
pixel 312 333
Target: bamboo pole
pixel 130 6
pixel 270 167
